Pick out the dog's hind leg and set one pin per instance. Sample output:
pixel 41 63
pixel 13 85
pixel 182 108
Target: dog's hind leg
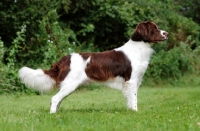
pixel 74 78
pixel 65 90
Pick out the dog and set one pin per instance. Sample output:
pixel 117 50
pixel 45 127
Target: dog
pixel 121 68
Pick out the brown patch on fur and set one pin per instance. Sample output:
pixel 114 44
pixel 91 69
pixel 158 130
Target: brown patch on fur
pixel 147 32
pixel 109 64
pixel 102 66
pixel 60 69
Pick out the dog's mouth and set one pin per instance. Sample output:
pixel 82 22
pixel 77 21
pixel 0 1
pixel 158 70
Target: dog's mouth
pixel 156 41
pixel 164 38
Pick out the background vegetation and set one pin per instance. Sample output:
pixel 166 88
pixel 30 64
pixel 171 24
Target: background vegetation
pixel 38 33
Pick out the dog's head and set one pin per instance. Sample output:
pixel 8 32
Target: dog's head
pixel 149 32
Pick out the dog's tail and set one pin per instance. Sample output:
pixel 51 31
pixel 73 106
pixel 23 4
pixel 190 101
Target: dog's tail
pixel 36 79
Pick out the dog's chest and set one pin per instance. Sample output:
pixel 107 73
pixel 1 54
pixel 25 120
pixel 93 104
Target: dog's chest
pixel 139 54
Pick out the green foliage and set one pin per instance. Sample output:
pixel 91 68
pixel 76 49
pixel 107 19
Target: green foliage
pixel 174 63
pixel 55 40
pixel 1 66
pixel 1 50
pixel 9 81
pixel 14 50
pixel 190 8
pixel 38 33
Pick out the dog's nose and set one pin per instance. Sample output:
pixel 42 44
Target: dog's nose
pixel 166 34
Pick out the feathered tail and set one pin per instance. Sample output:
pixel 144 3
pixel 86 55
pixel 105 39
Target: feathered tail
pixel 36 79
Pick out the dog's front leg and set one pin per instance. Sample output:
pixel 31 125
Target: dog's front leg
pixel 130 91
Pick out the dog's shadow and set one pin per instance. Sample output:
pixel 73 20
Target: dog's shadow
pixel 91 110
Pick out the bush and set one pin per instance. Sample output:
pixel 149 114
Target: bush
pixel 174 63
pixel 9 81
pixel 39 38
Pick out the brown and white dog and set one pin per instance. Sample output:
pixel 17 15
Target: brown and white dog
pixel 121 68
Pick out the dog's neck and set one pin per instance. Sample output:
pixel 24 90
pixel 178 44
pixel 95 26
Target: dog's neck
pixel 138 38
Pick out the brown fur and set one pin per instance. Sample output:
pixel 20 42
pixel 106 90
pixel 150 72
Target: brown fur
pixel 60 69
pixel 109 64
pixel 102 66
pixel 147 32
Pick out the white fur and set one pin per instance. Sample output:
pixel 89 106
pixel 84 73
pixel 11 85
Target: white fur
pixel 162 32
pixel 116 83
pixel 75 77
pixel 36 79
pixel 139 54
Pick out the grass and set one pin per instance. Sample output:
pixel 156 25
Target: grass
pixel 104 109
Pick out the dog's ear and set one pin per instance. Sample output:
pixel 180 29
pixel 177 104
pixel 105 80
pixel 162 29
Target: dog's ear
pixel 143 29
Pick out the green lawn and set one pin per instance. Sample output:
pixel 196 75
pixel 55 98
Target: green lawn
pixel 104 109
